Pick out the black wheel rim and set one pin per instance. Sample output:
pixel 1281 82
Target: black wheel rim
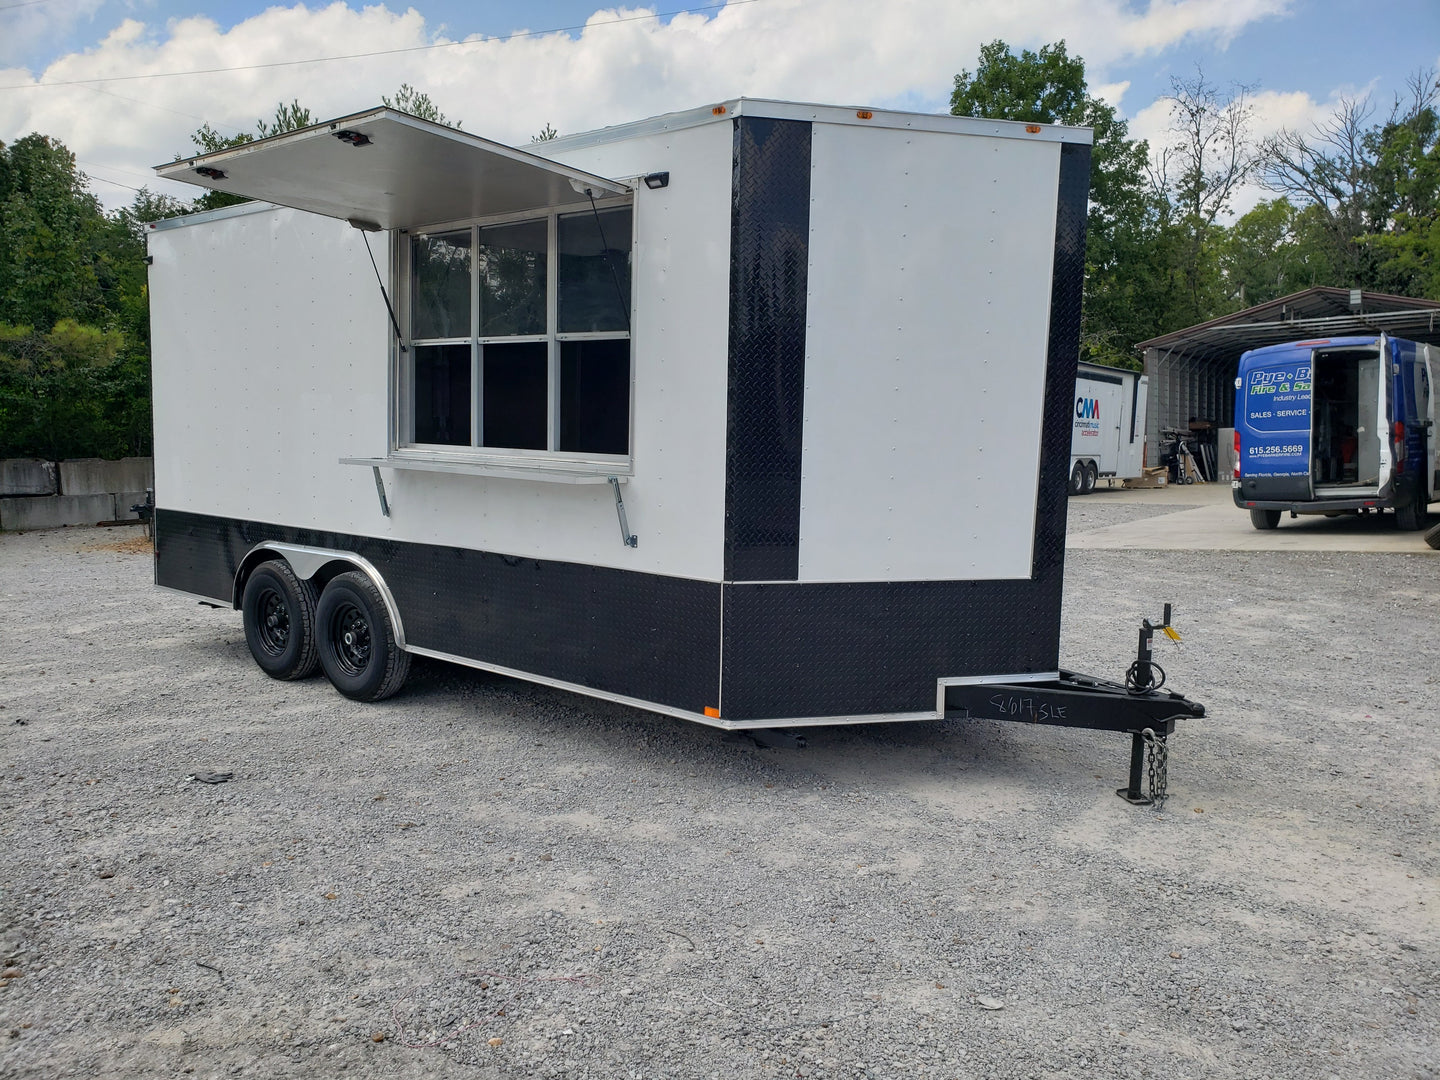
pixel 272 622
pixel 350 633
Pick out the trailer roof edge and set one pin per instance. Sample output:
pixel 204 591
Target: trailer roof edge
pixel 774 109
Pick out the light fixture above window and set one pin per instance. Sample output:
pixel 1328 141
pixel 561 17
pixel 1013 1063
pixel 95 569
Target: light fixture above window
pixel 656 180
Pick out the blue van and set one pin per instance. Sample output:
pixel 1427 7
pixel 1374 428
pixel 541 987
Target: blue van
pixel 1337 425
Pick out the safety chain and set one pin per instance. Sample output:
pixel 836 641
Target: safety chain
pixel 1157 765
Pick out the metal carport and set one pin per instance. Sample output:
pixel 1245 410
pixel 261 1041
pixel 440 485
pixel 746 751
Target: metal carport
pixel 1192 371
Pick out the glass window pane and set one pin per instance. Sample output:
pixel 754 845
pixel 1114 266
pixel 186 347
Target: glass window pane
pixel 442 394
pixel 440 295
pixel 595 272
pixel 515 395
pixel 512 278
pixel 595 396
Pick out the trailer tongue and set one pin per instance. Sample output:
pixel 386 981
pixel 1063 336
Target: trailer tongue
pixel 1139 706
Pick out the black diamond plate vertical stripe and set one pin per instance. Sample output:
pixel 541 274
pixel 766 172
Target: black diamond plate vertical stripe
pixel 1067 287
pixel 769 257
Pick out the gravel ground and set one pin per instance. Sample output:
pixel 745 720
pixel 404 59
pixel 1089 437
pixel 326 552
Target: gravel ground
pixel 486 878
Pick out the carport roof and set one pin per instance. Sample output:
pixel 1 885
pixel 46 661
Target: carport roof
pixel 1318 312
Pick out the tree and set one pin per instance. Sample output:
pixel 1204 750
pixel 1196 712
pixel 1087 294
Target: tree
pixel 1195 176
pixel 207 140
pixel 49 223
pixel 290 117
pixel 1047 87
pixel 412 101
pixel 1373 188
pixel 545 134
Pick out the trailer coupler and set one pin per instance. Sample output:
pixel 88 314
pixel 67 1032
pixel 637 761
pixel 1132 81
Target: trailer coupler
pixel 1138 707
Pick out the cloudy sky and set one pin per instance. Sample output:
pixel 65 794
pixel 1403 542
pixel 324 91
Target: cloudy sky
pixel 123 83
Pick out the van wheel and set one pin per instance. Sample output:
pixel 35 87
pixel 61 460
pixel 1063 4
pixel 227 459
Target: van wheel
pixel 1412 515
pixel 357 641
pixel 1092 476
pixel 1265 519
pixel 1077 479
pixel 278 609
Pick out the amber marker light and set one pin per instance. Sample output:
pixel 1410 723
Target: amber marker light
pixel 718 110
pixel 712 712
pixel 1033 129
pixel 865 114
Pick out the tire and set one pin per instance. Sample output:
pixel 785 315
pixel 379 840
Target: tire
pixel 1092 477
pixel 1433 538
pixel 1265 519
pixel 1077 479
pixel 357 646
pixel 1413 514
pixel 279 613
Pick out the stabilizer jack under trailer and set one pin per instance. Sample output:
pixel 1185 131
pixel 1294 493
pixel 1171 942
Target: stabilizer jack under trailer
pixel 1139 707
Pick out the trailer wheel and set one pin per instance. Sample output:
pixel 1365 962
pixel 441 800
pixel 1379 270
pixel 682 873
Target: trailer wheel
pixel 1433 538
pixel 1092 477
pixel 1265 519
pixel 357 642
pixel 1077 479
pixel 278 609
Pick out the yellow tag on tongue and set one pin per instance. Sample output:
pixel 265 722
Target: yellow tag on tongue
pixel 1171 633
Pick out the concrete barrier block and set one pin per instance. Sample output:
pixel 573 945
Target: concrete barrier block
pixel 54 511
pixel 126 499
pixel 26 476
pixel 94 476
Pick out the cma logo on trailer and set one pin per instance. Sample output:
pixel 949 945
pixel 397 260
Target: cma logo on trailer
pixel 1087 408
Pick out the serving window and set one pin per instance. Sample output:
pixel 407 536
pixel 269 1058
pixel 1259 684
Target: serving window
pixel 519 337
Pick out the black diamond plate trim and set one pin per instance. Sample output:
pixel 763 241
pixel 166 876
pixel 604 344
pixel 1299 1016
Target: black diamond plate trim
pixel 641 635
pixel 865 648
pixel 1067 287
pixel 769 258
pixel 856 649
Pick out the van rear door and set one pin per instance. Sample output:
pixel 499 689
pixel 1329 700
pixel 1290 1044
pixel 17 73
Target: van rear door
pixel 1273 415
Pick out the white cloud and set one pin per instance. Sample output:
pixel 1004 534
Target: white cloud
pixel 903 54
pixel 35 25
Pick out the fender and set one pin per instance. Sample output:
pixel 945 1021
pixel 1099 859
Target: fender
pixel 307 562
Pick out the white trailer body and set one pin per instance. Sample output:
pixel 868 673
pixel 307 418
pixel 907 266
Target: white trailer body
pixel 668 416
pixel 1108 428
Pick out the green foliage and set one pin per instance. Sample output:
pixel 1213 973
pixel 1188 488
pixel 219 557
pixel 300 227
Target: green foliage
pixel 74 310
pixel 1372 190
pixel 72 391
pixel 290 117
pixel 545 134
pixel 412 101
pixel 1047 87
pixel 1360 203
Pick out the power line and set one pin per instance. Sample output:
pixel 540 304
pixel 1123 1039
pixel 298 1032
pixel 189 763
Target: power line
pixel 23 3
pixel 379 52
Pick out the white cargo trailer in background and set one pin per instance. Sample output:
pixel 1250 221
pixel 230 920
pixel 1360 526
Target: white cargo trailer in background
pixel 1108 428
pixel 668 416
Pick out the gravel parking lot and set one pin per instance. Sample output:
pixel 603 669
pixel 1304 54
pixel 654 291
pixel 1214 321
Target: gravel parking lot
pixel 486 878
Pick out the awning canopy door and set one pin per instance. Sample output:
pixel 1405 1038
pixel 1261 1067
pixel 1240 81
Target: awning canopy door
pixel 388 169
